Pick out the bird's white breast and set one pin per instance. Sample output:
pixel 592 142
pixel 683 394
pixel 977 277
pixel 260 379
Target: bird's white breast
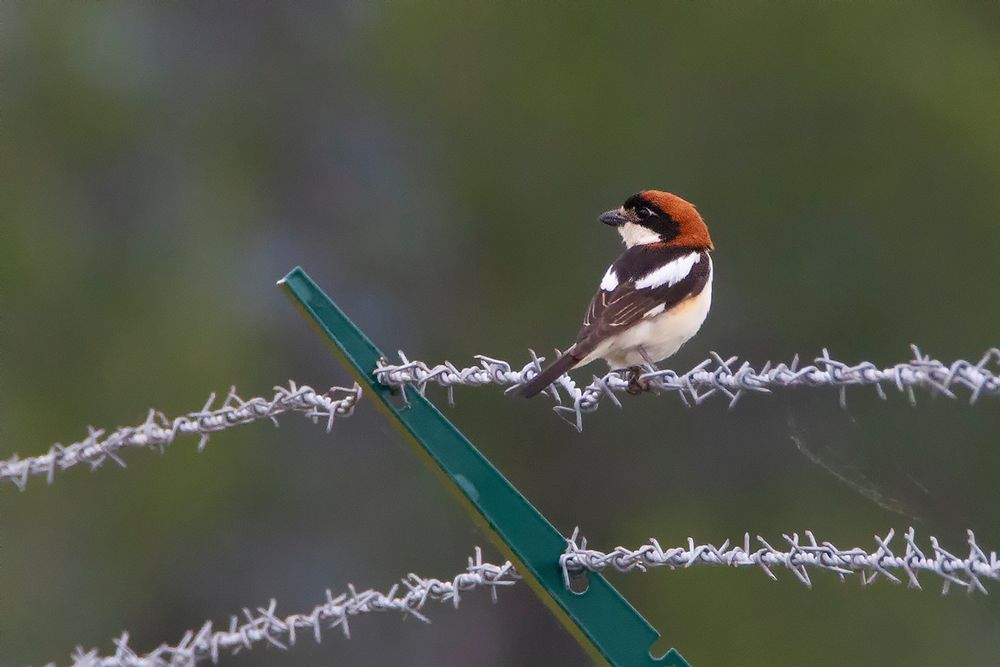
pixel 659 334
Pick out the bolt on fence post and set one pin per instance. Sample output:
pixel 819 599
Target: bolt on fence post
pixel 603 621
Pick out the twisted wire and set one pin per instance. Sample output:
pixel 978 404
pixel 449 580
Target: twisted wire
pixel 158 431
pixel 715 376
pixel 798 557
pixel 263 625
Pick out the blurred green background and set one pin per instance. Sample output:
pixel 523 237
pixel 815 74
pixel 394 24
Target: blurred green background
pixel 438 168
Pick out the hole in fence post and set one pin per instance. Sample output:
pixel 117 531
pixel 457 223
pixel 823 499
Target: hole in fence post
pixel 579 582
pixel 659 649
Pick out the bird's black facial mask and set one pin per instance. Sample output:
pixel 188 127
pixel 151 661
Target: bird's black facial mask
pixel 651 217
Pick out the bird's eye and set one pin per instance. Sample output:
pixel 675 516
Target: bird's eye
pixel 645 212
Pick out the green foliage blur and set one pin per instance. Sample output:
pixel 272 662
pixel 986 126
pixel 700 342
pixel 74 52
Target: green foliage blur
pixel 438 168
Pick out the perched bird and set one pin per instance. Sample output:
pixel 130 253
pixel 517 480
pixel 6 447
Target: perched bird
pixel 652 299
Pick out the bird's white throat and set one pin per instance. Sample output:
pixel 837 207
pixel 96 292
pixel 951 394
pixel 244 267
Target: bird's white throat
pixel 635 234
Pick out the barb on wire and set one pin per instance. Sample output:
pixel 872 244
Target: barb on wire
pixel 799 556
pixel 715 376
pixel 158 431
pixel 264 625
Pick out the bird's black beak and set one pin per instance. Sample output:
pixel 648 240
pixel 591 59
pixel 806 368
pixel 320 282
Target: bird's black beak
pixel 614 217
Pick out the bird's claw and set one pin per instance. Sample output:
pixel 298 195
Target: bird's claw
pixel 636 385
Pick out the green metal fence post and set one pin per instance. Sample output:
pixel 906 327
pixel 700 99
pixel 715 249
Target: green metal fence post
pixel 603 621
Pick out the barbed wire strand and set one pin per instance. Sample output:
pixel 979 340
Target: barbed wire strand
pixel 712 377
pixel 798 557
pixel 715 376
pixel 158 431
pixel 264 626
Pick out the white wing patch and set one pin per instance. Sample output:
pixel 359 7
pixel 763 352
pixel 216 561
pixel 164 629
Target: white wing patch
pixel 670 273
pixel 653 312
pixel 610 280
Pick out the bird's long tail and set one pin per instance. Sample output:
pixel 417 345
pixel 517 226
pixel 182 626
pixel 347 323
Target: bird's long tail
pixel 568 360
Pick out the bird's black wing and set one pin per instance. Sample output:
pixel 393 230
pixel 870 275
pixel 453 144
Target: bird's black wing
pixel 614 311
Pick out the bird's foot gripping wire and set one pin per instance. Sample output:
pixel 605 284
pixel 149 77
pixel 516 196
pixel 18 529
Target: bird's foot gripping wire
pixel 636 383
